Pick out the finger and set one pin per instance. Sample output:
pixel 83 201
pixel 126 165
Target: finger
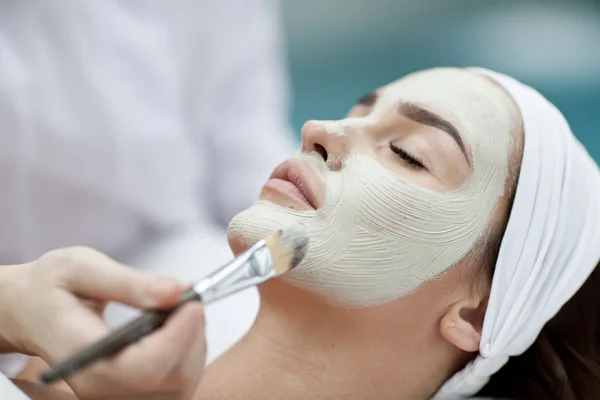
pixel 152 360
pixel 193 366
pixel 76 329
pixel 92 274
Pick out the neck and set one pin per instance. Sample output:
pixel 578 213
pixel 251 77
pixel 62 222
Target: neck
pixel 301 347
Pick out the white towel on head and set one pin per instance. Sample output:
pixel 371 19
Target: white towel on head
pixel 551 243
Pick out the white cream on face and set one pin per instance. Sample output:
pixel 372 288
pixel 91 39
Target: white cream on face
pixel 356 125
pixel 359 125
pixel 379 236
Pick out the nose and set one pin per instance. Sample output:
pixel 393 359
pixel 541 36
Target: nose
pixel 326 138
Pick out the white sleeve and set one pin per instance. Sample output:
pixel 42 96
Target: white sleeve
pixel 12 364
pixel 244 122
pixel 8 391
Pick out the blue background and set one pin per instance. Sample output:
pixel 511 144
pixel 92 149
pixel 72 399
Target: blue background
pixel 341 49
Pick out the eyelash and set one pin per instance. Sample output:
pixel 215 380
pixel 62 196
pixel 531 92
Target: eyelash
pixel 410 159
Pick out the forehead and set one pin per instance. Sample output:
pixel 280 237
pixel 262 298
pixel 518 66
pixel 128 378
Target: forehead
pixel 441 85
pixel 471 102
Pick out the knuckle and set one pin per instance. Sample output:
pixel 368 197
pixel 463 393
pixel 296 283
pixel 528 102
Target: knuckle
pixel 80 254
pixel 57 263
pixel 70 260
pixel 63 265
pixel 68 257
pixel 53 256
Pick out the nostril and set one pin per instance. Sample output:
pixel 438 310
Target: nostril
pixel 321 150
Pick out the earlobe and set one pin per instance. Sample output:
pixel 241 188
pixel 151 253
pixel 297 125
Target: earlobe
pixel 461 325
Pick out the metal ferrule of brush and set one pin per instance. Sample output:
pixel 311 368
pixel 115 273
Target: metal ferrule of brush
pixel 250 268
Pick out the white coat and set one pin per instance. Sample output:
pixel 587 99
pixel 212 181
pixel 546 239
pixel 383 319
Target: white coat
pixel 139 128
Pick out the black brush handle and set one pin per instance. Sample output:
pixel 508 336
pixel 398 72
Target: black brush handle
pixel 145 324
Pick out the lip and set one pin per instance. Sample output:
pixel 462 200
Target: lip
pixel 296 181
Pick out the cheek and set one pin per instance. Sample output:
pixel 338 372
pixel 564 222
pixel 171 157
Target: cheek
pixel 405 208
pixel 416 176
pixel 399 168
pixel 382 237
pixel 455 175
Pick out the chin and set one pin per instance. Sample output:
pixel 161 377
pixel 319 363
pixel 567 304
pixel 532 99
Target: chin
pixel 259 221
pixel 237 244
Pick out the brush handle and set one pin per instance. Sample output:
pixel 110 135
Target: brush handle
pixel 145 324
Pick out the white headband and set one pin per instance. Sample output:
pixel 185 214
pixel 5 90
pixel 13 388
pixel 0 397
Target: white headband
pixel 551 243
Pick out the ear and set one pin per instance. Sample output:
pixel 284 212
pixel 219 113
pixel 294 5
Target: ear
pixel 462 323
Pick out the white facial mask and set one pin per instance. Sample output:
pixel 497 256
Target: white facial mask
pixel 378 236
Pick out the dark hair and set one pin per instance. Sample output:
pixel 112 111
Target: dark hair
pixel 564 361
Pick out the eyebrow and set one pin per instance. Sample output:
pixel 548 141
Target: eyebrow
pixel 426 117
pixel 368 99
pixel 422 116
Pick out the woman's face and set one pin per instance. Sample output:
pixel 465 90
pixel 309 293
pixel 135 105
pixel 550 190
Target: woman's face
pixel 394 194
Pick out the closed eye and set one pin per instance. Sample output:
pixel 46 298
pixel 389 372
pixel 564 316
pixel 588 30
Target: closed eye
pixel 411 159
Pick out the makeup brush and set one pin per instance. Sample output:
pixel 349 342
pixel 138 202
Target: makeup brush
pixel 271 257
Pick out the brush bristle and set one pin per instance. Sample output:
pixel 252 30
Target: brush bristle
pixel 288 248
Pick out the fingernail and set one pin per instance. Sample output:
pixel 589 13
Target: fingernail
pixel 162 287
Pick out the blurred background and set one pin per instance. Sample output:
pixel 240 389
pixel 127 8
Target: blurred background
pixel 341 49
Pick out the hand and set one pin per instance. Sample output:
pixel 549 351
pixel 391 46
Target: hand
pixel 53 307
